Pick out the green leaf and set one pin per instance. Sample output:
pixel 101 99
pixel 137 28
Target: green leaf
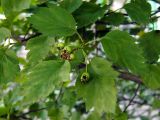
pixel 59 113
pixel 151 77
pixel 3 110
pixel 156 103
pixel 150 42
pixel 94 116
pixel 79 57
pixel 57 22
pixel 56 114
pixel 71 5
pixel 120 47
pixel 120 115
pixel 9 65
pixel 76 116
pixel 139 11
pixel 100 91
pixel 4 33
pixel 115 18
pixel 69 98
pixel 39 48
pixel 88 13
pixel 42 79
pixel 13 6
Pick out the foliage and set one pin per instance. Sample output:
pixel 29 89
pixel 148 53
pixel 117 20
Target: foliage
pixel 82 59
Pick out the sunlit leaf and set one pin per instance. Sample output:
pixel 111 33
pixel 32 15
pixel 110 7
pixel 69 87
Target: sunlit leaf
pixel 57 22
pixel 42 79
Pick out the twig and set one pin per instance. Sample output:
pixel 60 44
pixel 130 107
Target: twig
pixel 135 94
pixel 23 39
pixel 60 93
pixel 37 110
pixel 32 111
pixel 157 11
pixel 134 101
pixel 80 37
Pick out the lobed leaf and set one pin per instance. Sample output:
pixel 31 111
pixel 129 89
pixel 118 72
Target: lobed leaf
pixel 139 11
pixel 39 48
pixel 100 91
pixel 115 18
pixel 11 7
pixel 121 48
pixel 4 33
pixel 54 21
pixel 9 65
pixel 150 42
pixel 151 77
pixel 71 5
pixel 42 79
pixel 88 13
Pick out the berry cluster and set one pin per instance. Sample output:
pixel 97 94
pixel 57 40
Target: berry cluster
pixel 65 52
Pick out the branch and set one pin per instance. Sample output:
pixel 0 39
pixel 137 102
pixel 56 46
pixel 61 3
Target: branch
pixel 131 77
pixel 123 75
pixel 132 99
pixel 107 23
pixel 24 39
pixel 60 93
pixel 32 36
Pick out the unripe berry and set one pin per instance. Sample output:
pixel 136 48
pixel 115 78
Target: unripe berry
pixel 60 46
pixel 72 56
pixel 85 77
pixel 68 49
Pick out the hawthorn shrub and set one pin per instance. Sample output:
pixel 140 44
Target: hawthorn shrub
pixel 85 61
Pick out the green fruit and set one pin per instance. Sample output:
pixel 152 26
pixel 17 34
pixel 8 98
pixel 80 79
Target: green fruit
pixel 68 49
pixel 53 50
pixel 85 77
pixel 72 56
pixel 60 45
